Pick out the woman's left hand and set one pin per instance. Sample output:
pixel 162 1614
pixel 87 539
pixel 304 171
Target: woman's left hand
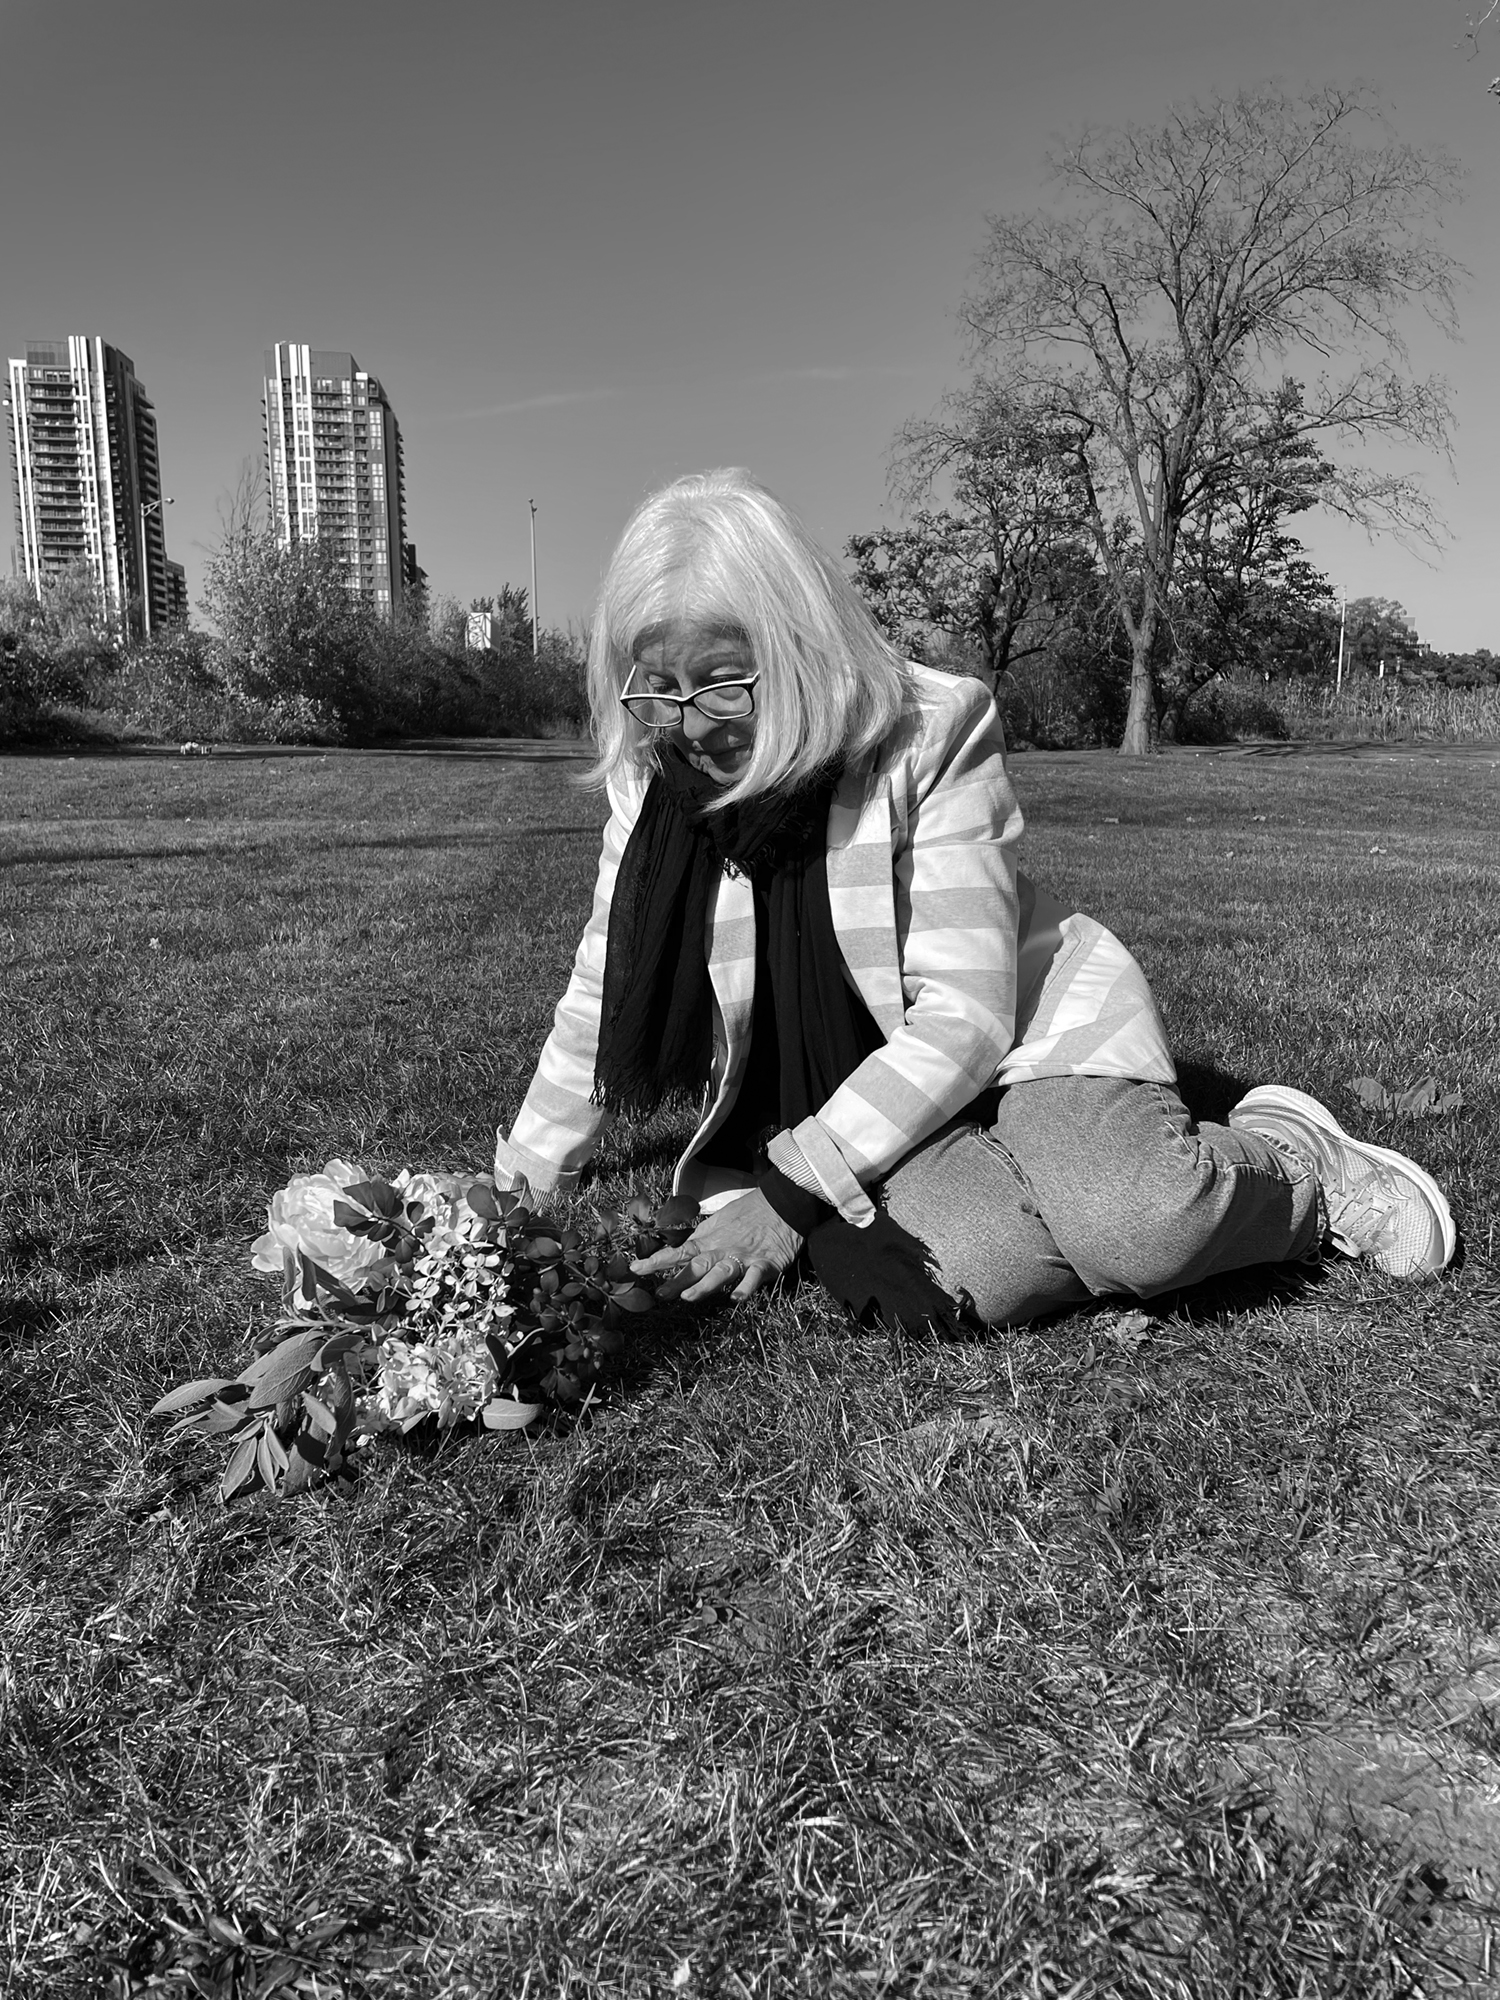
pixel 736 1249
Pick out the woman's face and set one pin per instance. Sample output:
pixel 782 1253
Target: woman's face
pixel 681 658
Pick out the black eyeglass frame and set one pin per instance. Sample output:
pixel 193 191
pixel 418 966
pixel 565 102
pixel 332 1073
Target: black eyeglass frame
pixel 693 700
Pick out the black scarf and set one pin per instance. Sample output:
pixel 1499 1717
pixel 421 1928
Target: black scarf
pixel 655 1040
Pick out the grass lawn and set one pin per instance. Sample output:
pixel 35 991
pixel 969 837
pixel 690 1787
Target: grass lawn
pixel 1095 1659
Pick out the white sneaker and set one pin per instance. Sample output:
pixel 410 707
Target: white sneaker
pixel 1378 1203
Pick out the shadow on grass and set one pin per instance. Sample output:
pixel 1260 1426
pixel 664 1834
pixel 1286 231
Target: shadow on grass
pixel 336 843
pixel 1238 1294
pixel 1208 1091
pixel 26 1317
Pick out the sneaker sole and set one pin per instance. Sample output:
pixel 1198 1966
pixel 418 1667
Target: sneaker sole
pixel 1281 1097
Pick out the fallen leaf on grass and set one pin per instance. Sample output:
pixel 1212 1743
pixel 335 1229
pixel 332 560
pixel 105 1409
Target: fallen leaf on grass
pixel 957 1428
pixel 1417 1100
pixel 1129 1332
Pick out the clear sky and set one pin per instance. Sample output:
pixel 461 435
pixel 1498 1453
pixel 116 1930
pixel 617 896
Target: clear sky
pixel 586 246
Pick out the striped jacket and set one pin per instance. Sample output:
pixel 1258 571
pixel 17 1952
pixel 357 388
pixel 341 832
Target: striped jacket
pixel 973 974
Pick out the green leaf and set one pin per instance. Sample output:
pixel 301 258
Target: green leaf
pixel 482 1200
pixel 270 1457
pixel 340 1345
pixel 242 1471
pixel 318 1414
pixel 677 1212
pixel 299 1471
pixel 220 1418
pixel 284 1372
pixel 631 1298
pixel 504 1415
pixel 341 1401
pixel 378 1196
pixel 355 1220
pixel 190 1393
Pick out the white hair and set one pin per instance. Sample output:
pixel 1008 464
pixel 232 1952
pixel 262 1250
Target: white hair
pixel 717 549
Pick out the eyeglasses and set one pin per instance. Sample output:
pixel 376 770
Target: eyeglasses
pixel 721 701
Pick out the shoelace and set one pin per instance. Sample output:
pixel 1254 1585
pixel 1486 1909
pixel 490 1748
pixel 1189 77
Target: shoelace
pixel 1369 1212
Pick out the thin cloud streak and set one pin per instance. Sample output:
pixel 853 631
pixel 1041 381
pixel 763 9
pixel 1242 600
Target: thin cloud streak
pixel 843 372
pixel 554 400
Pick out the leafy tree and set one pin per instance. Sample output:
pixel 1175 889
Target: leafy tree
pixel 291 630
pixel 1376 630
pixel 1478 669
pixel 53 646
pixel 1246 597
pixel 511 608
pixel 1156 315
pixel 986 572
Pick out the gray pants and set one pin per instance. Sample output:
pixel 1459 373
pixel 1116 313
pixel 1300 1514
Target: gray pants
pixel 1088 1185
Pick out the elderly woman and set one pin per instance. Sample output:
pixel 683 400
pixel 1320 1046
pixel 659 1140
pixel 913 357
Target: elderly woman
pixel 907 1058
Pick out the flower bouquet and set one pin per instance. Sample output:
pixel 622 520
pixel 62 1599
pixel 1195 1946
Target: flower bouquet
pixel 427 1296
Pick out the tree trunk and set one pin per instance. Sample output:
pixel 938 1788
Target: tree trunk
pixel 1140 716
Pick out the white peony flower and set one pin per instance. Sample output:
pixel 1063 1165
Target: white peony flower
pixel 301 1220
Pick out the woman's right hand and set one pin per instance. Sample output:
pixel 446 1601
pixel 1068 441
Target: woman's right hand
pixel 737 1249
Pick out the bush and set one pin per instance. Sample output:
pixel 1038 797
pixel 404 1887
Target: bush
pixel 185 684
pixel 53 649
pixel 178 686
pixel 296 658
pixel 1064 699
pixel 1227 711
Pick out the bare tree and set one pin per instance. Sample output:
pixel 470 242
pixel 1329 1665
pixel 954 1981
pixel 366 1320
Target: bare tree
pixel 242 510
pixel 1190 272
pixel 1477 23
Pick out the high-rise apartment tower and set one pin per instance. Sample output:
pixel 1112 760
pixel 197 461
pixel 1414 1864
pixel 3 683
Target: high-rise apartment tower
pixel 87 478
pixel 334 468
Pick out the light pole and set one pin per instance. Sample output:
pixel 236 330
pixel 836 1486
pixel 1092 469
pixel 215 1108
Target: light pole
pixel 148 507
pixel 1338 680
pixel 533 507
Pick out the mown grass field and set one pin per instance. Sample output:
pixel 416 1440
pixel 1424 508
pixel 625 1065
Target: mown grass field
pixel 1091 1659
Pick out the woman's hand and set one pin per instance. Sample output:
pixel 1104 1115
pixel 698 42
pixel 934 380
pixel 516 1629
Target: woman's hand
pixel 739 1246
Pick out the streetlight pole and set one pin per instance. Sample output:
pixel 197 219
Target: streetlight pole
pixel 1343 612
pixel 532 505
pixel 148 507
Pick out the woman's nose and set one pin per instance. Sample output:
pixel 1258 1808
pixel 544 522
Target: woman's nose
pixel 696 725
